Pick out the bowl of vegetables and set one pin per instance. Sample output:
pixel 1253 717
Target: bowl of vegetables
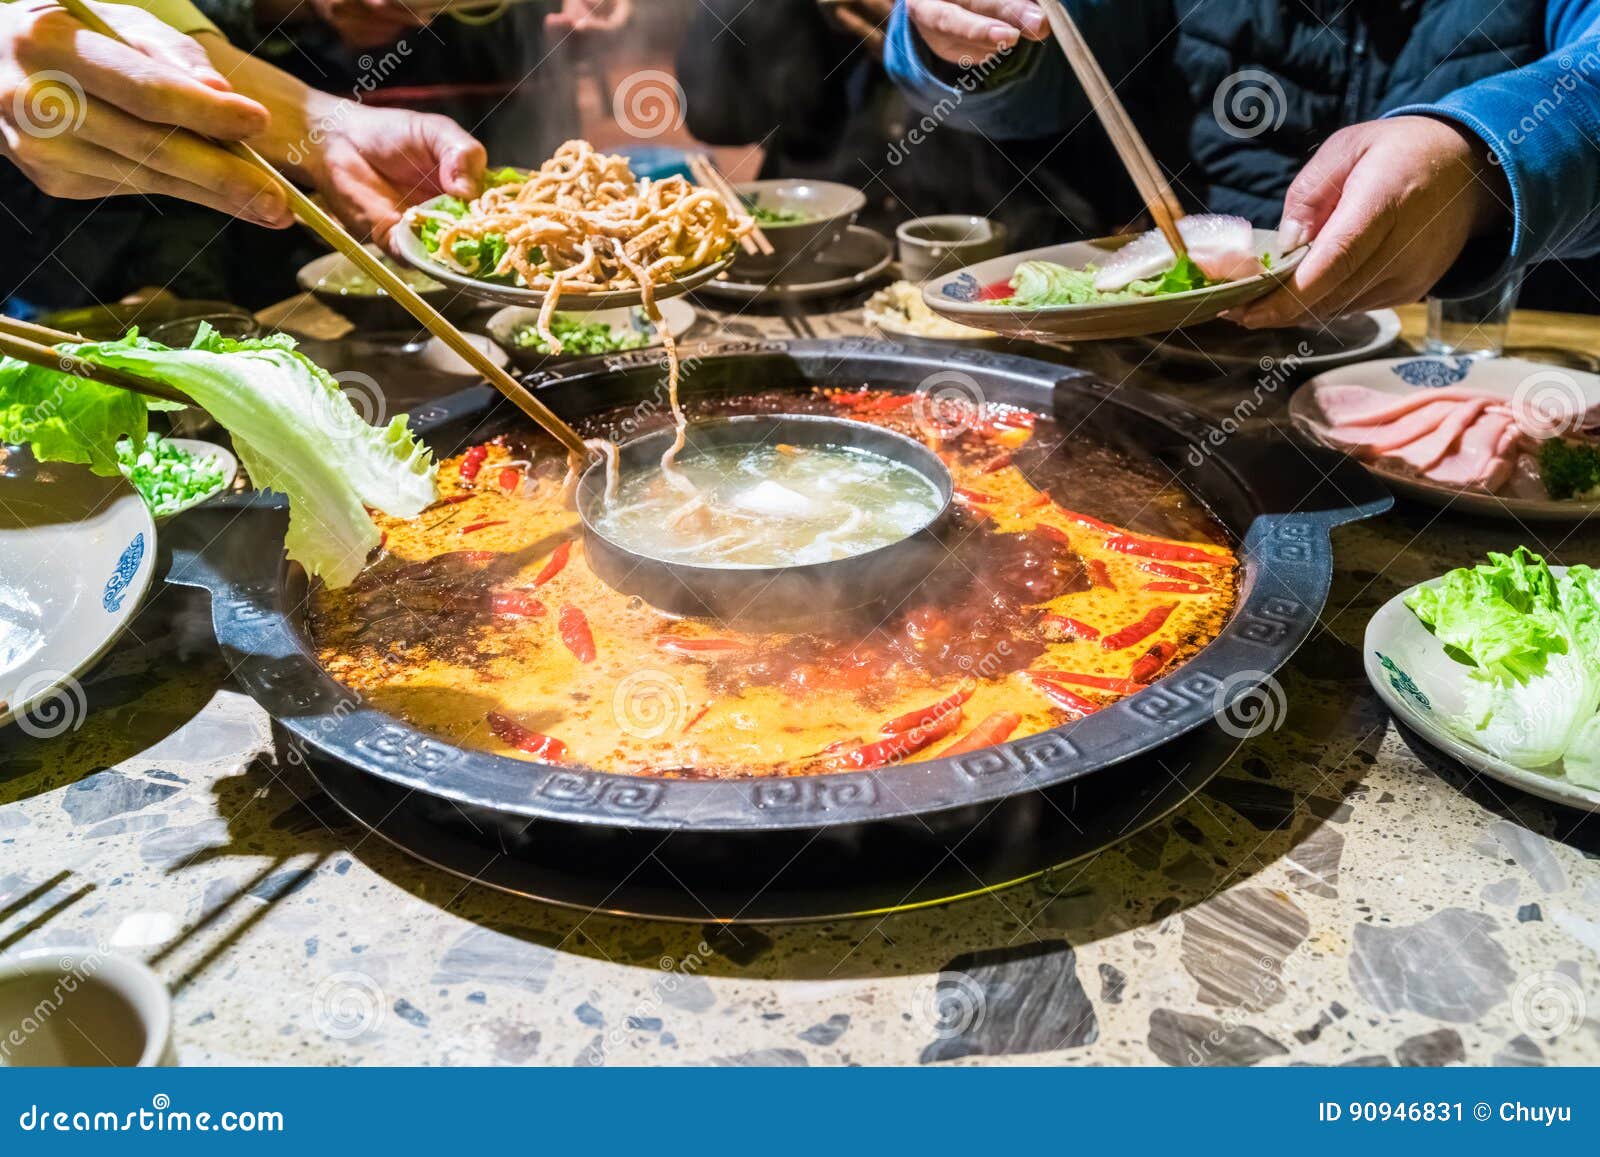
pixel 175 474
pixel 515 329
pixel 801 218
pixel 335 281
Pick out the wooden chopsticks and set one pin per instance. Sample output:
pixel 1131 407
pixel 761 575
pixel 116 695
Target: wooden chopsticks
pixel 335 234
pixel 707 173
pixel 1125 137
pixel 34 344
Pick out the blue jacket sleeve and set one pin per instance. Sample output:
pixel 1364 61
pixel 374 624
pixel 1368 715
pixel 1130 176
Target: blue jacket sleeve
pixel 1542 124
pixel 1029 91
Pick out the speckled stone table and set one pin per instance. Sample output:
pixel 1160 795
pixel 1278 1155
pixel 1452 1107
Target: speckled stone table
pixel 1338 894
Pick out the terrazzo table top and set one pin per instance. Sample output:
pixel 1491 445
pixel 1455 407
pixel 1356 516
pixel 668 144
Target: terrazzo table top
pixel 1337 895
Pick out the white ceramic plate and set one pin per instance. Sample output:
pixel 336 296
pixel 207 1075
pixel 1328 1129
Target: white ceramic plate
pixel 503 326
pixel 959 296
pixel 1411 673
pixel 411 250
pixel 1351 338
pixel 77 553
pixel 1509 378
pixel 201 450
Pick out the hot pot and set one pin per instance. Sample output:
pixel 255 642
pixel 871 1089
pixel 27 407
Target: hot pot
pixel 803 846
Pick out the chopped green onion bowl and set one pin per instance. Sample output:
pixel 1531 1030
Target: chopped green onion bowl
pixel 168 478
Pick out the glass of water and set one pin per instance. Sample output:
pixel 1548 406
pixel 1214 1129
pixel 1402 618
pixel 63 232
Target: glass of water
pixel 1472 326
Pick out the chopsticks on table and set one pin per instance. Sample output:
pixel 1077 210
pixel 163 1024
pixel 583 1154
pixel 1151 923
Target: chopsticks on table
pixel 707 173
pixel 34 344
pixel 335 234
pixel 1125 137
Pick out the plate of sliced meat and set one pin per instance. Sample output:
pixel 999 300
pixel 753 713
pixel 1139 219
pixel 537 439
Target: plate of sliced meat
pixel 1498 436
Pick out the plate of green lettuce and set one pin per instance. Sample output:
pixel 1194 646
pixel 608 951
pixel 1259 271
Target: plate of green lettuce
pixel 1498 666
pixel 1049 294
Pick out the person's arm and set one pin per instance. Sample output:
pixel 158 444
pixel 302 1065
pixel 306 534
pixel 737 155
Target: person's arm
pixel 1541 126
pixel 992 66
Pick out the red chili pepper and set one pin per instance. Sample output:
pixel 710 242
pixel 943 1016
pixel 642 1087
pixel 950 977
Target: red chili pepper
pixel 977 496
pixel 991 731
pixel 1016 419
pixel 1095 523
pixel 1147 664
pixel 1099 575
pixel 553 567
pixel 509 731
pixel 1061 697
pixel 575 633
pixel 697 646
pixel 925 715
pixel 1053 533
pixel 474 527
pixel 898 747
pixel 383 539
pixel 518 603
pixel 451 500
pixel 510 478
pixel 1073 627
pixel 998 462
pixel 472 462
pixel 1143 629
pixel 697 717
pixel 1103 682
pixel 1167 551
pixel 1178 588
pixel 1040 499
pixel 1167 570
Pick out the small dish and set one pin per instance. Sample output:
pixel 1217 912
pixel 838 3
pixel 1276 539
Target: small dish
pixel 968 295
pixel 374 309
pixel 503 327
pixel 930 246
pixel 855 262
pixel 1352 338
pixel 83 1007
pixel 1509 378
pixel 77 553
pixel 828 209
pixel 1421 684
pixel 411 250
pixel 898 310
pixel 196 448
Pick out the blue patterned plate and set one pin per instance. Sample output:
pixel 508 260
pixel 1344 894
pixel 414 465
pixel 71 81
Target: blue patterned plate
pixel 77 553
pixel 1531 387
pixel 1423 686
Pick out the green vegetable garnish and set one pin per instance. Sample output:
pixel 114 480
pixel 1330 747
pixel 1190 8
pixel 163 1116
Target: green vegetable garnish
pixel 580 337
pixel 1569 469
pixel 768 216
pixel 293 428
pixel 1531 642
pixel 1043 283
pixel 167 477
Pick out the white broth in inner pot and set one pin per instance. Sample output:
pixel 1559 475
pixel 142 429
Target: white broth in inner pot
pixel 770 505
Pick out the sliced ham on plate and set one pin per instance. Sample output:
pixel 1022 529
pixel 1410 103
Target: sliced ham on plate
pixel 1344 405
pixel 1479 458
pixel 1425 452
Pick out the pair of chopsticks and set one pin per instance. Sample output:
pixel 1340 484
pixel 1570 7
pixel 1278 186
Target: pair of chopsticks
pixel 707 173
pixel 1125 138
pixel 33 344
pixel 324 226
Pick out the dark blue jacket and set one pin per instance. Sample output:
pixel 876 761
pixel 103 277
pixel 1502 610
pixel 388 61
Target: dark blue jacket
pixel 1247 90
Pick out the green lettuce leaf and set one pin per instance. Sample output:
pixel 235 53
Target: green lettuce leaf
pixel 293 428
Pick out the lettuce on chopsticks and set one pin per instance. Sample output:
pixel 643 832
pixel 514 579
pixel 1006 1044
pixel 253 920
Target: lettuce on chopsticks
pixel 1531 641
pixel 293 428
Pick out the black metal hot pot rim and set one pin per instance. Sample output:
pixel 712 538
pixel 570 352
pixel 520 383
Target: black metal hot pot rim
pixel 1281 506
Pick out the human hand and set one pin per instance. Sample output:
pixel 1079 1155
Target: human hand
pixel 965 32
pixel 589 16
pixel 83 116
pixel 369 23
pixel 864 19
pixel 1387 206
pixel 373 163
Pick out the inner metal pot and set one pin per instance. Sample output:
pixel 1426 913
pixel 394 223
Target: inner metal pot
pixel 768 594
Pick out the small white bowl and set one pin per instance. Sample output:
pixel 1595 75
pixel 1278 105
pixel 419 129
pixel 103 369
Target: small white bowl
pixel 197 448
pixel 78 1007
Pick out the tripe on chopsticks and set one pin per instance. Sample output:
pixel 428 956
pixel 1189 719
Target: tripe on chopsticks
pixel 293 428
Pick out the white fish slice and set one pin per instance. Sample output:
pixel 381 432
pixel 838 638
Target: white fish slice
pixel 1219 244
